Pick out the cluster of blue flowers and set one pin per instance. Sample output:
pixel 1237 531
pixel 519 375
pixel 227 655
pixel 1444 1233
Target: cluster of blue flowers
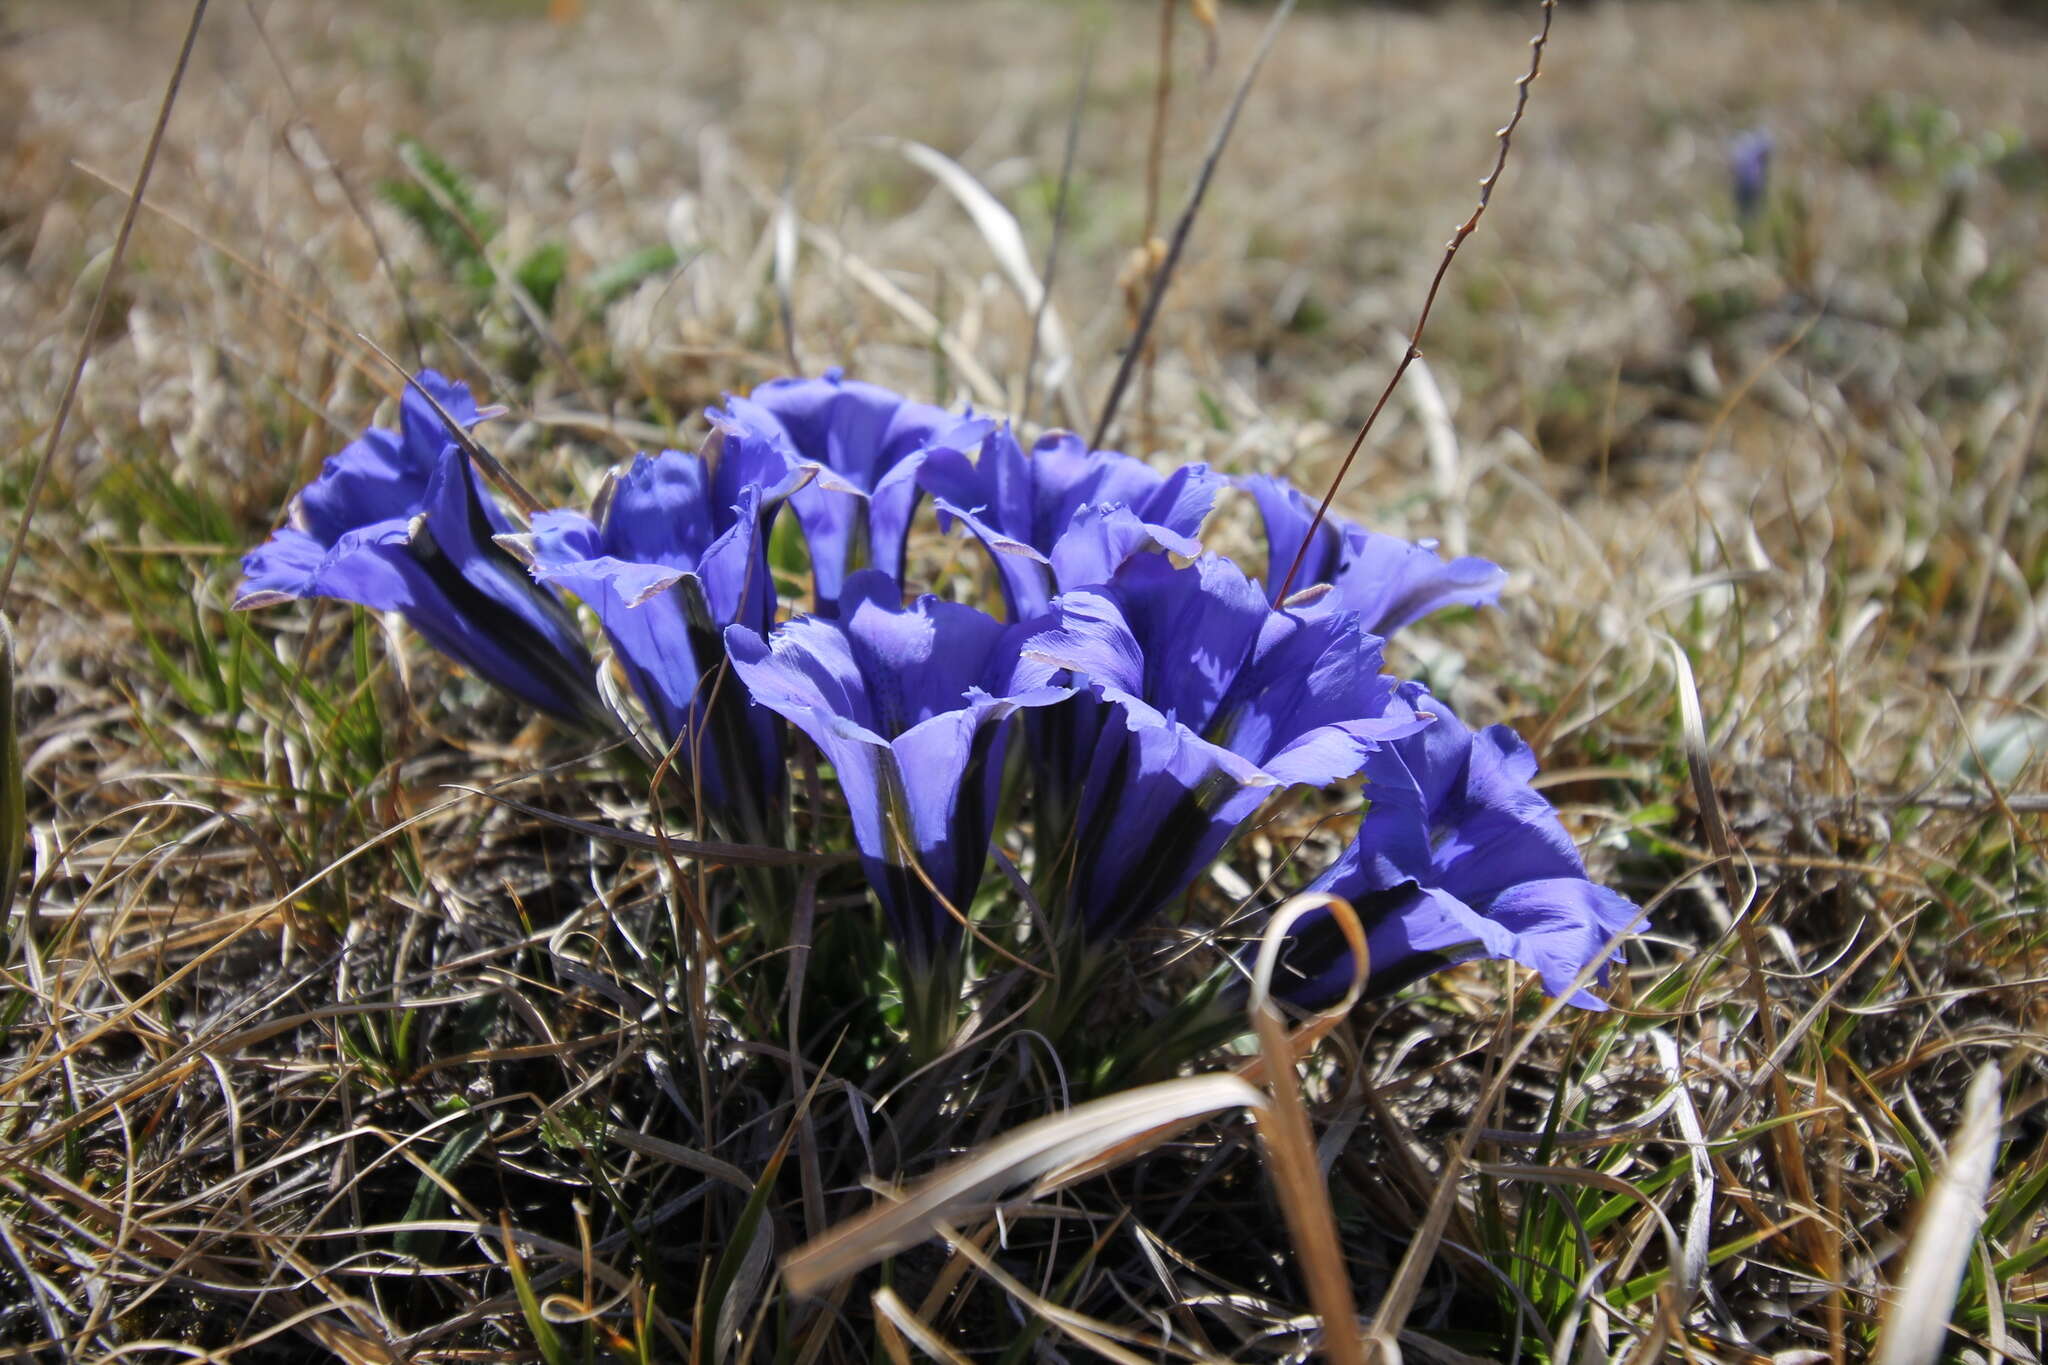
pixel 1158 699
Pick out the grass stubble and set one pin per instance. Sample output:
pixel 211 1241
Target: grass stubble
pixel 310 1049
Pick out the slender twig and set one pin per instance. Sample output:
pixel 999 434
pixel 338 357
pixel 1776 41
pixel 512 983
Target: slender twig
pixel 1162 98
pixel 1059 227
pixel 1186 224
pixel 99 302
pixel 1414 348
pixel 1155 160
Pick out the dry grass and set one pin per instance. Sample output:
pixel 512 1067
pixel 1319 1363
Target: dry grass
pixel 308 1054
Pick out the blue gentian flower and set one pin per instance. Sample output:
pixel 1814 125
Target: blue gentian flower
pixel 673 554
pixel 1201 701
pixel 400 521
pixel 866 444
pixel 1457 858
pixel 1389 582
pixel 1749 170
pixel 908 705
pixel 1020 506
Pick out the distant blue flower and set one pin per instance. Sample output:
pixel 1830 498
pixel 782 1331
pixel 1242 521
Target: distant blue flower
pixel 675 555
pixel 899 700
pixel 1205 701
pixel 1458 858
pixel 1020 506
pixel 1749 170
pixel 1387 581
pixel 399 521
pixel 867 444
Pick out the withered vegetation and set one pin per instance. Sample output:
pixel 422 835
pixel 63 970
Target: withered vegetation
pixel 312 1050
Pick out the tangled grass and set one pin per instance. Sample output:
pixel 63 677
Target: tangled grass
pixel 310 1048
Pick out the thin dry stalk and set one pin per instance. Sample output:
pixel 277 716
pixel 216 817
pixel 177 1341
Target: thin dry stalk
pixel 99 302
pixel 1134 349
pixel 1413 350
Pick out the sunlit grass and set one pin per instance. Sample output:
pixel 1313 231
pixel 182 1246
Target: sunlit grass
pixel 311 1051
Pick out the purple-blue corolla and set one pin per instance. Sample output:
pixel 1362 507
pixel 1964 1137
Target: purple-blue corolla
pixel 866 445
pixel 1021 507
pixel 908 704
pixel 1198 701
pixel 1457 858
pixel 400 521
pixel 1389 582
pixel 673 553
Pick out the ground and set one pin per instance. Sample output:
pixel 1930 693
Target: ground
pixel 291 1027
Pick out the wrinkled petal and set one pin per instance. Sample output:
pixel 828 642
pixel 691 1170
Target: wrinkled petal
pixel 1453 816
pixel 666 567
pixel 399 521
pixel 1287 516
pixel 1222 700
pixel 1101 540
pixel 510 629
pixel 852 436
pixel 1313 703
pixel 1023 507
pixel 424 431
pixel 1159 803
pixel 893 695
pixel 383 474
pixel 1386 581
pixel 1560 925
pixel 1393 583
pixel 281 569
pixel 1499 831
pixel 1410 932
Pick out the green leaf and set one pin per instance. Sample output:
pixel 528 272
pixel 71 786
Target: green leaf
pixel 545 1337
pixel 441 202
pixel 428 1198
pixel 622 274
pixel 541 273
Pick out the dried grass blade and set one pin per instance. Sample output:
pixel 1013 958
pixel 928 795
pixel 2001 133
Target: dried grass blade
pixel 545 1337
pixel 1788 1143
pixel 1255 1070
pixel 1916 1327
pixel 783 228
pixel 13 795
pixel 998 228
pixel 1135 348
pixel 1290 1148
pixel 1023 1156
pixel 99 302
pixel 896 1313
pixel 986 391
pixel 1070 393
pixel 1099 1337
pixel 711 850
pixel 1288 1140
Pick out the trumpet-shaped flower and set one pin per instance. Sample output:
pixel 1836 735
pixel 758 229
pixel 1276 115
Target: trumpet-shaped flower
pixel 1749 170
pixel 866 444
pixel 1389 582
pixel 1204 701
pixel 1021 506
pixel 672 556
pixel 898 699
pixel 399 521
pixel 1458 858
